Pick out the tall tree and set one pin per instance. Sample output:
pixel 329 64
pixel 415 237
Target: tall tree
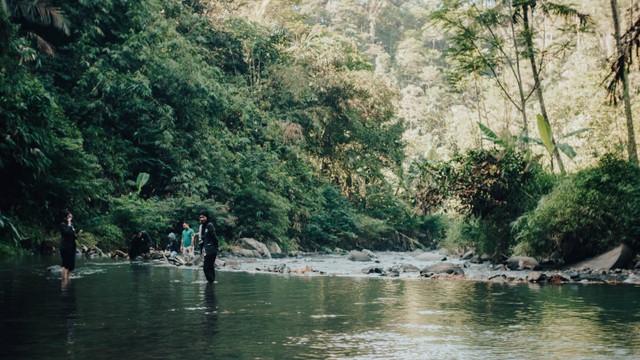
pixel 523 10
pixel 486 42
pixel 492 39
pixel 373 9
pixel 530 54
pixel 624 79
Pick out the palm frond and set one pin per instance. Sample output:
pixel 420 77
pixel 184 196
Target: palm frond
pixel 565 11
pixel 39 11
pixel 630 42
pixel 43 45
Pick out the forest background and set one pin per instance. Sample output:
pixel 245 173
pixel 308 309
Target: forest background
pixel 322 124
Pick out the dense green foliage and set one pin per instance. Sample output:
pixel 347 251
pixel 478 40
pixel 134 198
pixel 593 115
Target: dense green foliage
pixel 490 188
pixel 587 213
pixel 231 116
pixel 308 123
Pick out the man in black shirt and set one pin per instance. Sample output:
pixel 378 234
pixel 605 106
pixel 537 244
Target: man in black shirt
pixel 68 246
pixel 210 245
pixel 139 245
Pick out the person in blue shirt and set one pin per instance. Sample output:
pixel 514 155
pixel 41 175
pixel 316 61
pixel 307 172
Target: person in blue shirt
pixel 187 243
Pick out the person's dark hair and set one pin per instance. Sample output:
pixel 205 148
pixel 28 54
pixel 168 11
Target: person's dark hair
pixel 205 213
pixel 65 213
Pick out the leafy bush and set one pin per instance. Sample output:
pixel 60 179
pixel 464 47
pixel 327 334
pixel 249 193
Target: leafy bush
pixel 261 214
pixel 132 212
pixel 110 236
pixel 431 230
pixel 375 234
pixel 332 223
pixel 10 237
pixel 587 213
pixel 158 217
pixel 209 110
pixel 490 188
pixel 463 233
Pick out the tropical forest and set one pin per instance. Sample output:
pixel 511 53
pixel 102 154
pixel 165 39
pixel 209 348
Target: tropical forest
pixel 324 125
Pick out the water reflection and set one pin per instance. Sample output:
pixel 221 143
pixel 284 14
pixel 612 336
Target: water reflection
pixel 69 314
pixel 416 319
pixel 171 313
pixel 210 318
pixel 211 310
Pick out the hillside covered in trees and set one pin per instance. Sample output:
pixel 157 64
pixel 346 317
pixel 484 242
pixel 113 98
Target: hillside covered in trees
pixel 504 126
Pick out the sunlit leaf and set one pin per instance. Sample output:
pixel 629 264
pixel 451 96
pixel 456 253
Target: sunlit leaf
pixel 567 150
pixel 490 135
pixel 545 134
pixel 142 180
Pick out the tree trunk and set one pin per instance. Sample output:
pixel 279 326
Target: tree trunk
pixel 528 35
pixel 373 7
pixel 523 98
pixel 631 138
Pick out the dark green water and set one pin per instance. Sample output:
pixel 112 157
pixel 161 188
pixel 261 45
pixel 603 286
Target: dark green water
pixel 115 310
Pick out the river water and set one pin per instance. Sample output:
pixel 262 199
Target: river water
pixel 114 310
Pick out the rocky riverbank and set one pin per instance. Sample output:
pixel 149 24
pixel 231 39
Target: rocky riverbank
pixel 618 266
pixel 425 265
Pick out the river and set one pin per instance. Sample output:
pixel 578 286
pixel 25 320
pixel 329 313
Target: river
pixel 116 309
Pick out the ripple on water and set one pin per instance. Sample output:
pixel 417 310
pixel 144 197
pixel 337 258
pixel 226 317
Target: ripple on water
pixel 326 316
pixel 300 318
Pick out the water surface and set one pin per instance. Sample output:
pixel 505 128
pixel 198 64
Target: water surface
pixel 120 309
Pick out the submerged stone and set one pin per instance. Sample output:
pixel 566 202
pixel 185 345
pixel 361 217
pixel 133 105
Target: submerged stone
pixel 441 268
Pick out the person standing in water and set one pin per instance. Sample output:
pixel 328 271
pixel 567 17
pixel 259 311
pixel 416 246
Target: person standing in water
pixel 210 245
pixel 68 246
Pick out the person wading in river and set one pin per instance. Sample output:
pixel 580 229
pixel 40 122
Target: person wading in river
pixel 210 244
pixel 68 246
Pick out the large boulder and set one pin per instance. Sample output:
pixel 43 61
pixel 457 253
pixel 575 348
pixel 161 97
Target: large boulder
pixel 409 268
pixel 479 258
pixel 441 268
pixel 251 248
pixel 370 253
pixel 618 258
pixel 522 263
pixel 468 255
pixel 356 255
pixel 275 250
